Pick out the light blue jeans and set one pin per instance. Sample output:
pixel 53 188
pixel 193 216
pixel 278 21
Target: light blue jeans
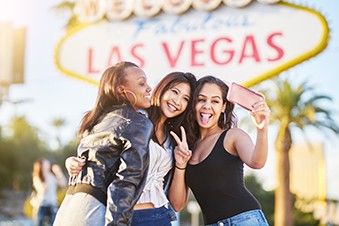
pixel 248 218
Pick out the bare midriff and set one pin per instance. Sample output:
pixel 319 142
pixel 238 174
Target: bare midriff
pixel 141 206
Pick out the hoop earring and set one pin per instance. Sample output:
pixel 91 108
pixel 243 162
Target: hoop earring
pixel 224 117
pixel 134 96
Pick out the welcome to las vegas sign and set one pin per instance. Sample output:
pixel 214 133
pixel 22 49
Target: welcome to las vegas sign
pixel 246 45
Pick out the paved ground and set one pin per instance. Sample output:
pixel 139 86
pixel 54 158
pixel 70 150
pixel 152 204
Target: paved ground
pixel 12 214
pixel 11 209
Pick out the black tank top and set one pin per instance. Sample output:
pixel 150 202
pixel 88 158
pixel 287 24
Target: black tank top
pixel 218 185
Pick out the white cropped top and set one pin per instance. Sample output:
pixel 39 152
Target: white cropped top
pixel 161 161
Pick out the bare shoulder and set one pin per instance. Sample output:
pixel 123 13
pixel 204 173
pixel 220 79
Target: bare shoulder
pixel 238 135
pixel 235 132
pixel 233 138
pixel 230 140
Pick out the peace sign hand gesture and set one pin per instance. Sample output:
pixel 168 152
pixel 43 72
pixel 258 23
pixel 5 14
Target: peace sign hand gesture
pixel 181 152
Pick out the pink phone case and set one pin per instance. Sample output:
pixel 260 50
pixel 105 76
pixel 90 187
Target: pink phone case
pixel 243 96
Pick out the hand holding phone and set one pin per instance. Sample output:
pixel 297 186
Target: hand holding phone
pixel 243 96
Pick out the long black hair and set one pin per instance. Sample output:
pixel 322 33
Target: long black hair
pixel 227 119
pixel 154 112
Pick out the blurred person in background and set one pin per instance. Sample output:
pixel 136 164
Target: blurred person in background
pixel 46 180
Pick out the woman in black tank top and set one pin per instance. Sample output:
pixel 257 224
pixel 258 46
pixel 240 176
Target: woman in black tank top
pixel 214 170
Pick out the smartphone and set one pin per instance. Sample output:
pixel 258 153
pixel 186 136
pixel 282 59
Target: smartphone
pixel 243 96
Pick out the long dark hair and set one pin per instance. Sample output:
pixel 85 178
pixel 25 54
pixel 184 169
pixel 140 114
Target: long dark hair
pixel 170 80
pixel 38 170
pixel 193 132
pixel 107 94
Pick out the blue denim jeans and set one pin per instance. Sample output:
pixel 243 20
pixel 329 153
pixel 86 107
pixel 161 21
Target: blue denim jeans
pixel 152 217
pixel 46 211
pixel 248 218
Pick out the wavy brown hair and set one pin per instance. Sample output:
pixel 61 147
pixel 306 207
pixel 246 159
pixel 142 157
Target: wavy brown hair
pixel 38 169
pixel 107 95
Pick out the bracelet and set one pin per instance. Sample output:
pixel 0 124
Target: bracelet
pixel 179 168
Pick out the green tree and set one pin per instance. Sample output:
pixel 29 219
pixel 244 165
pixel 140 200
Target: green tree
pixel 293 107
pixel 69 149
pixel 18 150
pixel 265 198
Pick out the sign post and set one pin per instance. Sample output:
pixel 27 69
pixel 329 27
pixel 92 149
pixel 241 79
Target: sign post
pixel 12 55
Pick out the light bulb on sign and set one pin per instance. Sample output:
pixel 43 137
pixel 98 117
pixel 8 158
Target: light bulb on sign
pixel 119 9
pixel 176 6
pixel 90 10
pixel 237 3
pixel 147 8
pixel 206 5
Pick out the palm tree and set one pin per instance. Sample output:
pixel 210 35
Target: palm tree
pixel 57 123
pixel 293 107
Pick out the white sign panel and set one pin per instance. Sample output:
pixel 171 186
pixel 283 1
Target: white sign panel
pixel 246 45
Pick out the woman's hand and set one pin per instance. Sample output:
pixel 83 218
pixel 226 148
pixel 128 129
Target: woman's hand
pixel 56 169
pixel 260 114
pixel 74 165
pixel 61 179
pixel 182 153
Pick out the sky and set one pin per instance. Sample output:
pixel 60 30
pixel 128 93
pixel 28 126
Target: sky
pixel 47 94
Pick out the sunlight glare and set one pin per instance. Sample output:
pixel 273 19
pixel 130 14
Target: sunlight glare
pixel 14 11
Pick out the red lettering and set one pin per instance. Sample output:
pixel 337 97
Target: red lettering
pixel 115 52
pixel 90 62
pixel 222 50
pixel 214 47
pixel 249 43
pixel 91 8
pixel 195 51
pixel 270 42
pixel 172 59
pixel 139 58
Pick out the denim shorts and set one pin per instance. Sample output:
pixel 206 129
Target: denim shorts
pixel 152 217
pixel 248 218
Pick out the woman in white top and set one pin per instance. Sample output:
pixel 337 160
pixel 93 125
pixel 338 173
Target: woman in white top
pixel 46 180
pixel 170 100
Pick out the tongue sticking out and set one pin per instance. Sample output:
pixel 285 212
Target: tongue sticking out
pixel 205 118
